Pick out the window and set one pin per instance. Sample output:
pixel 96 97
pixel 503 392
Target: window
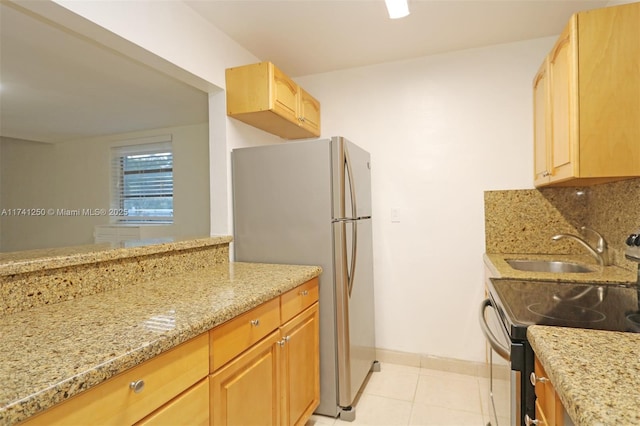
pixel 142 183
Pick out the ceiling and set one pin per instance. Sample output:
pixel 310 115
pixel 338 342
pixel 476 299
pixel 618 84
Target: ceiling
pixel 57 86
pixel 314 36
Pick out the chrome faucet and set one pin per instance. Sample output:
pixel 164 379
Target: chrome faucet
pixel 600 251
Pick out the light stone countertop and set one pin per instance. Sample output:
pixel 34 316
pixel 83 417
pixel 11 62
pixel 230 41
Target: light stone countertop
pixel 21 262
pixel 595 373
pixel 496 262
pixel 50 353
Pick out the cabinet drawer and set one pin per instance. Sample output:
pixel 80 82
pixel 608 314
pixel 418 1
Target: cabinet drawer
pixel 189 409
pixel 235 336
pixel 297 300
pixel 115 403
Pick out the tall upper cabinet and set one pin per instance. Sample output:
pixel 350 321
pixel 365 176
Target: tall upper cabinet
pixel 587 100
pixel 263 96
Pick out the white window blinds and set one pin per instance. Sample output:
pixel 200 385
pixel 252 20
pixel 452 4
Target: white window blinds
pixel 142 182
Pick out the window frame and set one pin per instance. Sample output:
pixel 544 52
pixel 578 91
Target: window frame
pixel 120 213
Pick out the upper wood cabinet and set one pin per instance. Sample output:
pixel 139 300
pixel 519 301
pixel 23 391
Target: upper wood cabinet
pixel 263 96
pixel 587 101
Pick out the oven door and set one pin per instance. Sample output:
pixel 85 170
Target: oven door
pixel 503 403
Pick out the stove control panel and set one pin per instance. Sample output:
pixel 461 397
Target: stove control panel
pixel 633 246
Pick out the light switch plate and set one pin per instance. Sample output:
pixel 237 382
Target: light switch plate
pixel 395 215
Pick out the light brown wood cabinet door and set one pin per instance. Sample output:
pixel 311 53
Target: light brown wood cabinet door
pixel 246 391
pixel 609 87
pixel 285 96
pixel 301 367
pixel 563 106
pixel 309 112
pixel 541 131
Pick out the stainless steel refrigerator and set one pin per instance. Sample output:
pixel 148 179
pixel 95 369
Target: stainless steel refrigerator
pixel 310 203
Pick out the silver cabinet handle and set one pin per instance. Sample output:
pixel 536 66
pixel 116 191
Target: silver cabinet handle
pixel 284 341
pixel 534 379
pixel 255 322
pixel 137 386
pixel 304 293
pixel 546 174
pixel 530 422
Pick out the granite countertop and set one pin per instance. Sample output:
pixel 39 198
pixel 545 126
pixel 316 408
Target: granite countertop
pixel 53 352
pixel 59 257
pixel 595 373
pixel 496 262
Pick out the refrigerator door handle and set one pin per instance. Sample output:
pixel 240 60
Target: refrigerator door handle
pixel 354 254
pixel 354 214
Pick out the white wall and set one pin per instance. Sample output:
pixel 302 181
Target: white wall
pixel 441 130
pixel 76 175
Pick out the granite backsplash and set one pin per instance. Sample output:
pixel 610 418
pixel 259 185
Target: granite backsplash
pixel 523 221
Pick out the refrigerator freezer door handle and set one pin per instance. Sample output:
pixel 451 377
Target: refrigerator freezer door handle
pixel 352 187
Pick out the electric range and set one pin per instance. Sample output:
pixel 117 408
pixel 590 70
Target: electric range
pixel 513 305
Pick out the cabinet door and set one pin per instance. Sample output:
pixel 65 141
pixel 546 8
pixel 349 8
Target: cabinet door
pixel 301 367
pixel 563 105
pixel 189 409
pixel 548 404
pixel 247 390
pixel 541 130
pixel 309 113
pixel 285 96
pixel 609 87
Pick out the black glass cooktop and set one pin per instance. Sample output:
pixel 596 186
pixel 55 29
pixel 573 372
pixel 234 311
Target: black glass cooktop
pixel 593 305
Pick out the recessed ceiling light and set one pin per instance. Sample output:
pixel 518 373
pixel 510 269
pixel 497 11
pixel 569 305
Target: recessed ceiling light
pixel 397 8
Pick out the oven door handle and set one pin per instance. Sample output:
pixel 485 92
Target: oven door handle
pixel 500 349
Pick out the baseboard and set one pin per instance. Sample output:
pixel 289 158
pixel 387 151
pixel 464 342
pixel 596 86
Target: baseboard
pixel 450 365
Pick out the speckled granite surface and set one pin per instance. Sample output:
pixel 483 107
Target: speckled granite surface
pixel 595 373
pixel 499 268
pixel 33 260
pixel 43 277
pixel 51 353
pixel 523 221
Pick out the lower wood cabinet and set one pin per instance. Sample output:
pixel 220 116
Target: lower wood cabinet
pixel 260 368
pixel 136 393
pixel 300 367
pixel 247 390
pixel 275 381
pixel 549 408
pixel 190 408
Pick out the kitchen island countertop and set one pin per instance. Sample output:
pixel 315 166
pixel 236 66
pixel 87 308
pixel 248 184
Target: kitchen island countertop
pixel 595 373
pixel 51 353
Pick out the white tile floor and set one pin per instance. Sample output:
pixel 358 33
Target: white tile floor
pixel 403 395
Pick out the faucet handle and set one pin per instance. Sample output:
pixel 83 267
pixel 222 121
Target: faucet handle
pixel 602 243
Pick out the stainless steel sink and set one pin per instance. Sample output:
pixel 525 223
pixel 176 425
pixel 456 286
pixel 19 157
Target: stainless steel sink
pixel 547 266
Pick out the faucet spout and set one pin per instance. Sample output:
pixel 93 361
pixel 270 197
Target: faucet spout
pixel 601 245
pixel 585 244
